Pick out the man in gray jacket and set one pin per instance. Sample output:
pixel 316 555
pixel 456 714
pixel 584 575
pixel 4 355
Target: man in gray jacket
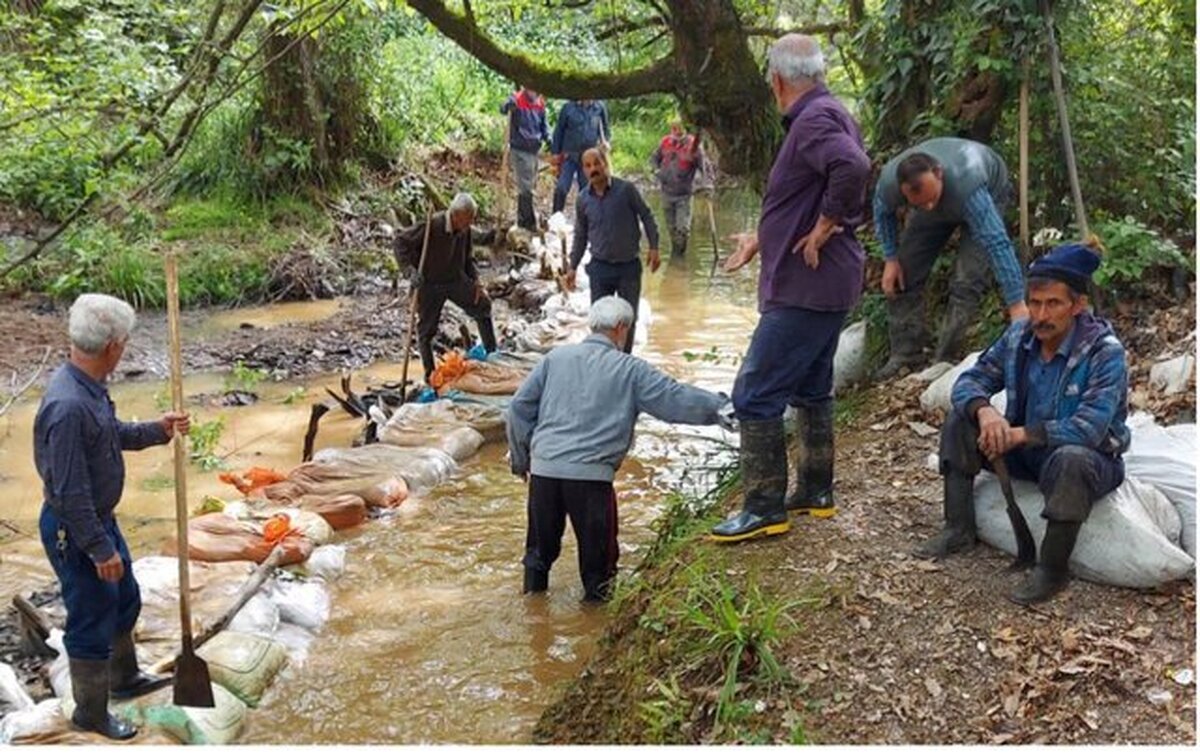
pixel 569 428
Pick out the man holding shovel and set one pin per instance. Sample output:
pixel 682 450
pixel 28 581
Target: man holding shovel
pixel 78 442
pixel 1064 375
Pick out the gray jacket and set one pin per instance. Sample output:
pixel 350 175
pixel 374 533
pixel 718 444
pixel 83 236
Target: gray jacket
pixel 573 416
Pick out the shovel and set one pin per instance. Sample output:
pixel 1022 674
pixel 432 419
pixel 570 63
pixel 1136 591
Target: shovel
pixel 193 686
pixel 1026 549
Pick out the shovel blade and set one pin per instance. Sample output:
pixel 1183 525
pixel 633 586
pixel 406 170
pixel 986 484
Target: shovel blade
pixel 193 687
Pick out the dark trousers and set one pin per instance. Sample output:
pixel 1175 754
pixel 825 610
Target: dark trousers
pixel 1071 478
pixel 431 298
pixel 97 610
pixel 790 361
pixel 592 507
pixel 624 280
pixel 921 243
pixel 571 169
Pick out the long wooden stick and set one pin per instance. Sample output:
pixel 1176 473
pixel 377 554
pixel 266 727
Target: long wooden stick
pixel 1060 100
pixel 412 305
pixel 1023 147
pixel 712 227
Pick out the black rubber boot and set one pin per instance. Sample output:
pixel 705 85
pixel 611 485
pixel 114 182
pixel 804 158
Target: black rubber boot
pixel 125 679
pixel 536 581
pixel 89 688
pixel 958 505
pixel 560 201
pixel 487 334
pixel 526 217
pixel 1052 573
pixel 764 482
pixel 954 333
pixel 906 335
pixel 427 361
pixel 812 453
pixel 679 243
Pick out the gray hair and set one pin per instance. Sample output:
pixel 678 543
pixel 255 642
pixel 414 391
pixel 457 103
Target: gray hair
pixel 609 312
pixel 796 57
pixel 96 320
pixel 463 202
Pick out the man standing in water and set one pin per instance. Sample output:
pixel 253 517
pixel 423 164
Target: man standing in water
pixel 569 428
pixel 77 445
pixel 811 276
pixel 606 221
pixel 676 161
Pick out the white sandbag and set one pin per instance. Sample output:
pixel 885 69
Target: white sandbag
pixel 327 562
pixel 1166 459
pixel 461 443
pixel 59 673
pixel 309 524
pixel 259 617
pixel 13 696
pixel 421 468
pixel 243 664
pixel 304 603
pixel 192 725
pixel 296 640
pixel 936 396
pixel 850 360
pixel 1127 540
pixel 1173 376
pixel 41 717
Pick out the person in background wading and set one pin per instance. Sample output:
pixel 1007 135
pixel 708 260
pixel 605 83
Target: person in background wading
pixel 676 161
pixel 77 448
pixel 449 274
pixel 582 125
pixel 570 426
pixel 811 276
pixel 527 132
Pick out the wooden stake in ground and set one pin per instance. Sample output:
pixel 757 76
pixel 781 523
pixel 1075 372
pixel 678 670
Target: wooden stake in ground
pixel 1023 147
pixel 1060 100
pixel 193 687
pixel 412 306
pixel 712 228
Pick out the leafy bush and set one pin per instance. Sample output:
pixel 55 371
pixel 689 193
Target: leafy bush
pixel 1132 249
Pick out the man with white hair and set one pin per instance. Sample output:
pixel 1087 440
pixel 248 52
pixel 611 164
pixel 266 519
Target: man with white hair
pixel 811 276
pixel 569 428
pixel 448 273
pixel 77 445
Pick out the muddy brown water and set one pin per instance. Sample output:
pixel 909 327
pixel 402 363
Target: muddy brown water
pixel 429 639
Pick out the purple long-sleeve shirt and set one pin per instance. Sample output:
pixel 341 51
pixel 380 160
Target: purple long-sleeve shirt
pixel 822 168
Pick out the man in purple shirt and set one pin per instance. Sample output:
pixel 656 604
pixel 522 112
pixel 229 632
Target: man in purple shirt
pixel 811 276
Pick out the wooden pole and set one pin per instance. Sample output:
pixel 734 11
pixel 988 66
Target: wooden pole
pixel 1060 100
pixel 1023 142
pixel 412 306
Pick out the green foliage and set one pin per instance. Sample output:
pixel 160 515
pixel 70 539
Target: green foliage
pixel 203 438
pixel 664 714
pixel 295 395
pixel 1132 250
pixel 243 378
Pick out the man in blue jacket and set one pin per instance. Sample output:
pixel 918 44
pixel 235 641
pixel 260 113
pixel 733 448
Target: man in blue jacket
pixel 569 428
pixel 527 132
pixel 77 447
pixel 1066 383
pixel 581 125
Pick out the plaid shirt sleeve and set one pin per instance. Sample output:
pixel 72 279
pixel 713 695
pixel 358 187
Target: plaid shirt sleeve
pixel 885 225
pixel 985 224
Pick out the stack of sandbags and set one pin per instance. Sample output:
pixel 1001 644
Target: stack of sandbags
pixel 1166 459
pixel 415 467
pixel 427 424
pixel 218 537
pixel 325 479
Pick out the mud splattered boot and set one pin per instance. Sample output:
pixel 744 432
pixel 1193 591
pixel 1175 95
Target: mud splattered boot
pixel 764 481
pixel 125 679
pixel 958 505
pixel 89 688
pixel 906 335
pixel 1051 574
pixel 526 217
pixel 812 453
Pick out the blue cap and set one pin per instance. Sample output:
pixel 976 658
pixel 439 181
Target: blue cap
pixel 1073 264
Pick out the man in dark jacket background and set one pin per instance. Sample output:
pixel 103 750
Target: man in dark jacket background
pixel 581 126
pixel 527 132
pixel 811 276
pixel 1066 383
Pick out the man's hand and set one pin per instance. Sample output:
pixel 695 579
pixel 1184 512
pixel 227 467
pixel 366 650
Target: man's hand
pixel 112 569
pixel 747 248
pixel 996 436
pixel 481 294
pixel 810 244
pixel 893 278
pixel 176 422
pixel 569 279
pixel 654 260
pixel 1018 311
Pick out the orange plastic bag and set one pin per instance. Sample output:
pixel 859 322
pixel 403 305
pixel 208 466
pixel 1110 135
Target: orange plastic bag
pixel 449 368
pixel 252 479
pixel 276 528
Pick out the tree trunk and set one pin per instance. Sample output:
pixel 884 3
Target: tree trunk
pixel 292 105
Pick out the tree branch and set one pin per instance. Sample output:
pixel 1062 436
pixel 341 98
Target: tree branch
pixel 626 25
pixel 657 77
pixel 814 29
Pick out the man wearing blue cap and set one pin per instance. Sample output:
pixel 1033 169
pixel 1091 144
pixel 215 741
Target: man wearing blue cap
pixel 1065 379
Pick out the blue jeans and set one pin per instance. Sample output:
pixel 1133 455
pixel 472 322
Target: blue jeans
pixel 623 279
pixel 572 168
pixel 790 361
pixel 97 610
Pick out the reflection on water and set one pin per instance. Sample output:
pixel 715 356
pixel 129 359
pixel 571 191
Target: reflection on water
pixel 430 639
